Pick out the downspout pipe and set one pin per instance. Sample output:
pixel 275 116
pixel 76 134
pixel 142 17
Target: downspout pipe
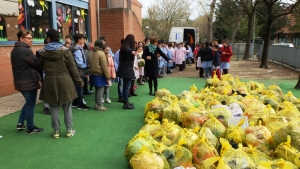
pixel 98 19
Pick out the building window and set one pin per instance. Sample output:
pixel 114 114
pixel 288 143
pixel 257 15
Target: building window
pixel 80 20
pixel 2 29
pixel 38 18
pixel 64 20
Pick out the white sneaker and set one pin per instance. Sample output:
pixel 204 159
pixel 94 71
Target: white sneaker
pixel 108 100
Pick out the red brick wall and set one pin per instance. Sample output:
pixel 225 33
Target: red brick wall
pixel 93 20
pixel 116 23
pixel 6 79
pixel 103 3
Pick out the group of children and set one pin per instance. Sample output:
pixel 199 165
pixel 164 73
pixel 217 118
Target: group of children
pixel 213 57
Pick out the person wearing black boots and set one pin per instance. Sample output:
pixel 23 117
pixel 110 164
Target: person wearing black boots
pixel 125 69
pixel 150 55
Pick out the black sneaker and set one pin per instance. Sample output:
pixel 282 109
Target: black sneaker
pixel 74 105
pixel 34 130
pixel 47 111
pixel 21 126
pixel 83 107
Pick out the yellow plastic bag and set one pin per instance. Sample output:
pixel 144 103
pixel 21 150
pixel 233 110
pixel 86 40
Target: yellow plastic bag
pixel 260 137
pixel 287 152
pixel 184 105
pixel 194 117
pixel 172 113
pixel 289 112
pixel 149 160
pixel 275 88
pixel 185 137
pixel 178 155
pixel 202 151
pixel 269 110
pixel 162 92
pixel 289 97
pixel 256 155
pixel 275 122
pixel 228 78
pixel 235 133
pixel 143 138
pixel 210 137
pixel 255 112
pixel 153 126
pixel 155 105
pixel 152 116
pixel 169 130
pixel 215 126
pixel 221 112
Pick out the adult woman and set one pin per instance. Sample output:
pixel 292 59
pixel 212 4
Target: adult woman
pixel 150 55
pixel 125 69
pixel 100 74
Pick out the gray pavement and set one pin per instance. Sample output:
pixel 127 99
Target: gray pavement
pixel 12 103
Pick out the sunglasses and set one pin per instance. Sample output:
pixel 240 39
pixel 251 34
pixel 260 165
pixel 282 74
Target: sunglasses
pixel 28 37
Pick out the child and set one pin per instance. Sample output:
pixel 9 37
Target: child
pixel 112 73
pixel 141 64
pixel 216 61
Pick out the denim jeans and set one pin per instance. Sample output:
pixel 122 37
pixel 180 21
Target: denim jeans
pixel 27 112
pixel 79 98
pixel 126 87
pixel 208 72
pixel 120 88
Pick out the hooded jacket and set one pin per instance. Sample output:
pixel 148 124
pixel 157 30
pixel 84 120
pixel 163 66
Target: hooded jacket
pixel 60 74
pixel 98 63
pixel 25 68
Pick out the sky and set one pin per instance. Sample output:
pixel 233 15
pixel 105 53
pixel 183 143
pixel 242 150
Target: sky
pixel 147 4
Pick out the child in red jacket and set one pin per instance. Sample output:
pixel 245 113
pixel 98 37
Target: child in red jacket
pixel 225 56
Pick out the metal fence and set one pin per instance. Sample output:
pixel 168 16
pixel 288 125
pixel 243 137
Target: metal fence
pixel 119 4
pixel 239 49
pixel 283 55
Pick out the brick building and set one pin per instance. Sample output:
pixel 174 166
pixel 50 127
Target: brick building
pixel 117 18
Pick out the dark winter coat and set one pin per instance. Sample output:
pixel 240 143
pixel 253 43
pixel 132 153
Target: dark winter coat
pixel 217 58
pixel 60 74
pixel 206 54
pixel 25 68
pixel 125 69
pixel 151 66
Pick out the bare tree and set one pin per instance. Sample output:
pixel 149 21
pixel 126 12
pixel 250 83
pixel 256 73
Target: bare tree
pixel 164 14
pixel 210 15
pixel 272 14
pixel 249 9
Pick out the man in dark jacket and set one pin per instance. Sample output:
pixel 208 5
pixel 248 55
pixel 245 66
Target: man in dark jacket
pixel 58 87
pixel 26 79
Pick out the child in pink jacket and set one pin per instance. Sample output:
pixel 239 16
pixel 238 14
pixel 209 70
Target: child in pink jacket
pixel 112 73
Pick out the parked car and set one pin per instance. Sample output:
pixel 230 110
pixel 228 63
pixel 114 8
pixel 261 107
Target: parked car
pixel 290 45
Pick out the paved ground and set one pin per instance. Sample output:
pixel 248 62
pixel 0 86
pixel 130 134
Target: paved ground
pixel 242 69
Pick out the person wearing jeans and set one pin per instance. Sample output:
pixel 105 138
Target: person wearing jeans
pixel 206 57
pixel 28 108
pixel 125 68
pixel 26 76
pixel 120 80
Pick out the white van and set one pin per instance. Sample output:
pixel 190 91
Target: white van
pixel 179 34
pixel 290 45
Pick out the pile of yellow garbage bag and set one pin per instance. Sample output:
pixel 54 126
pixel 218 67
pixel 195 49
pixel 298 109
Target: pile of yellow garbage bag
pixel 228 124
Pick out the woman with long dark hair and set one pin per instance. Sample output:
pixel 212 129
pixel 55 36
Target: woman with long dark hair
pixel 150 55
pixel 125 69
